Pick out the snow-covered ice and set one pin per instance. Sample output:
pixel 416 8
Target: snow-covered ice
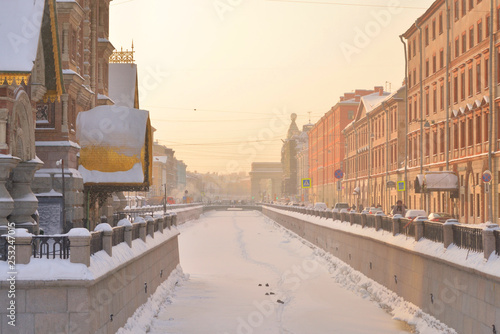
pixel 243 273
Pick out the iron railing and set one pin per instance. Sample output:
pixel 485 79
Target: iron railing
pixel 118 235
pixel 406 227
pixel 95 242
pixel 387 224
pixel 135 231
pixel 50 246
pixel 433 231
pixel 497 241
pixel 370 221
pixel 468 238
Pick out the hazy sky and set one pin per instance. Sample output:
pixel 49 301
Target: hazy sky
pixel 221 77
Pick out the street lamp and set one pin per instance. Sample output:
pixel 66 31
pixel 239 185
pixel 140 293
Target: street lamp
pixel 423 124
pixel 60 162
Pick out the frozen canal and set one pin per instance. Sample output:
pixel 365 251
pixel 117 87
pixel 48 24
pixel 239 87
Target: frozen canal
pixel 245 274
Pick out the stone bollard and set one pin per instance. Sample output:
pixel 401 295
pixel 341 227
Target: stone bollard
pixel 419 229
pixel 168 220
pixel 159 221
pixel 22 243
pixel 448 233
pixel 174 219
pixel 142 227
pixel 150 226
pixel 127 235
pixel 395 224
pixel 79 239
pixel 378 222
pixel 363 220
pixel 107 237
pixel 489 242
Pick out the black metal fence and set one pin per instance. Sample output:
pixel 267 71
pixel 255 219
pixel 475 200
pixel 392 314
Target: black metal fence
pixel 135 231
pixel 95 242
pixel 370 221
pixel 406 227
pixel 497 241
pixel 433 231
pixel 387 224
pixel 118 235
pixel 50 246
pixel 468 238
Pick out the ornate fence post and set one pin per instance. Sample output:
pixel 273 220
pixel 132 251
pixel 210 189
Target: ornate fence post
pixel 127 234
pixel 395 224
pixel 79 239
pixel 489 242
pixel 419 229
pixel 23 246
pixel 107 237
pixel 448 233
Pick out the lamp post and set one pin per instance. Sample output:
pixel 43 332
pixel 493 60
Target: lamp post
pixel 61 163
pixel 423 124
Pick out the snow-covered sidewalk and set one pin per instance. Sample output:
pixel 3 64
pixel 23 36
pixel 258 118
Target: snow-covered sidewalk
pixel 246 274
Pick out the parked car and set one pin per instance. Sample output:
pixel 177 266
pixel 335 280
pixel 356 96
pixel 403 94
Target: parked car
pixel 374 210
pixel 320 206
pixel 440 217
pixel 339 206
pixel 412 214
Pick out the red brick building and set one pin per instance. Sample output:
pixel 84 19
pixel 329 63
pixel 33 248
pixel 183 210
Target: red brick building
pixel 327 147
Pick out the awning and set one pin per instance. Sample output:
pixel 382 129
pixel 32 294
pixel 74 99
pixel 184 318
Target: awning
pixel 438 181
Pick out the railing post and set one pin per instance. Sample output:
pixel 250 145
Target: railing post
pixel 142 227
pixel 378 222
pixel 23 246
pixel 489 242
pixel 448 233
pixel 419 229
pixel 363 220
pixel 395 225
pixel 159 221
pixel 79 239
pixel 150 222
pixel 127 234
pixel 107 237
pixel 352 217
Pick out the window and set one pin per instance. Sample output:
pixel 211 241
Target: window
pixel 414 47
pixel 427 102
pixel 471 205
pixel 456 137
pixel 414 77
pixel 462 85
pixel 441 97
pixel 470 135
pixel 478 206
pixel 464 8
pixel 464 42
pixel 434 63
pixel 462 137
pixel 457 10
pixel 409 51
pixel 409 110
pixel 455 89
pixel 427 144
pixel 426 35
pixel 433 29
pixel 471 82
pixel 440 23
pixel 457 48
pixel 487 27
pixel 478 129
pixel 486 71
pixel 442 142
pixel 471 4
pixel 479 31
pixel 427 67
pixel 471 37
pixel 478 77
pixel 441 58
pixel 434 100
pixel 409 80
pixel 415 109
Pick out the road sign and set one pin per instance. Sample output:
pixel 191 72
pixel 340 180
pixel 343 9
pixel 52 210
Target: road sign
pixel 338 174
pixel 486 176
pixel 306 183
pixel 401 186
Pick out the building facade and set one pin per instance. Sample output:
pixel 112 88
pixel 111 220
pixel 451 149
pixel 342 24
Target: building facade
pixel 461 131
pixel 327 147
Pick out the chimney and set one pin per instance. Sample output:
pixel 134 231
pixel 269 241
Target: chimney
pixel 379 89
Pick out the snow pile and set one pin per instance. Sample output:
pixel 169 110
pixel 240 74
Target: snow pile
pixel 140 322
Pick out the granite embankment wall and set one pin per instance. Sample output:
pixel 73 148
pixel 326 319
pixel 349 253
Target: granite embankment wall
pixel 463 298
pixel 102 303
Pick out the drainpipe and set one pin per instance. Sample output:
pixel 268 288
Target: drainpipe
pixel 447 87
pixel 369 136
pixel 490 116
pixel 384 105
pixel 421 111
pixel 406 119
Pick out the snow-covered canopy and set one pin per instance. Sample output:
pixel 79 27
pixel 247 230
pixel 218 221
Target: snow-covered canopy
pixel 439 181
pixel 116 145
pixel 20 23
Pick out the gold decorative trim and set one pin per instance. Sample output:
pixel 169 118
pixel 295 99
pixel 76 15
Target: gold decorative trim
pixel 17 77
pixel 125 57
pixel 55 44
